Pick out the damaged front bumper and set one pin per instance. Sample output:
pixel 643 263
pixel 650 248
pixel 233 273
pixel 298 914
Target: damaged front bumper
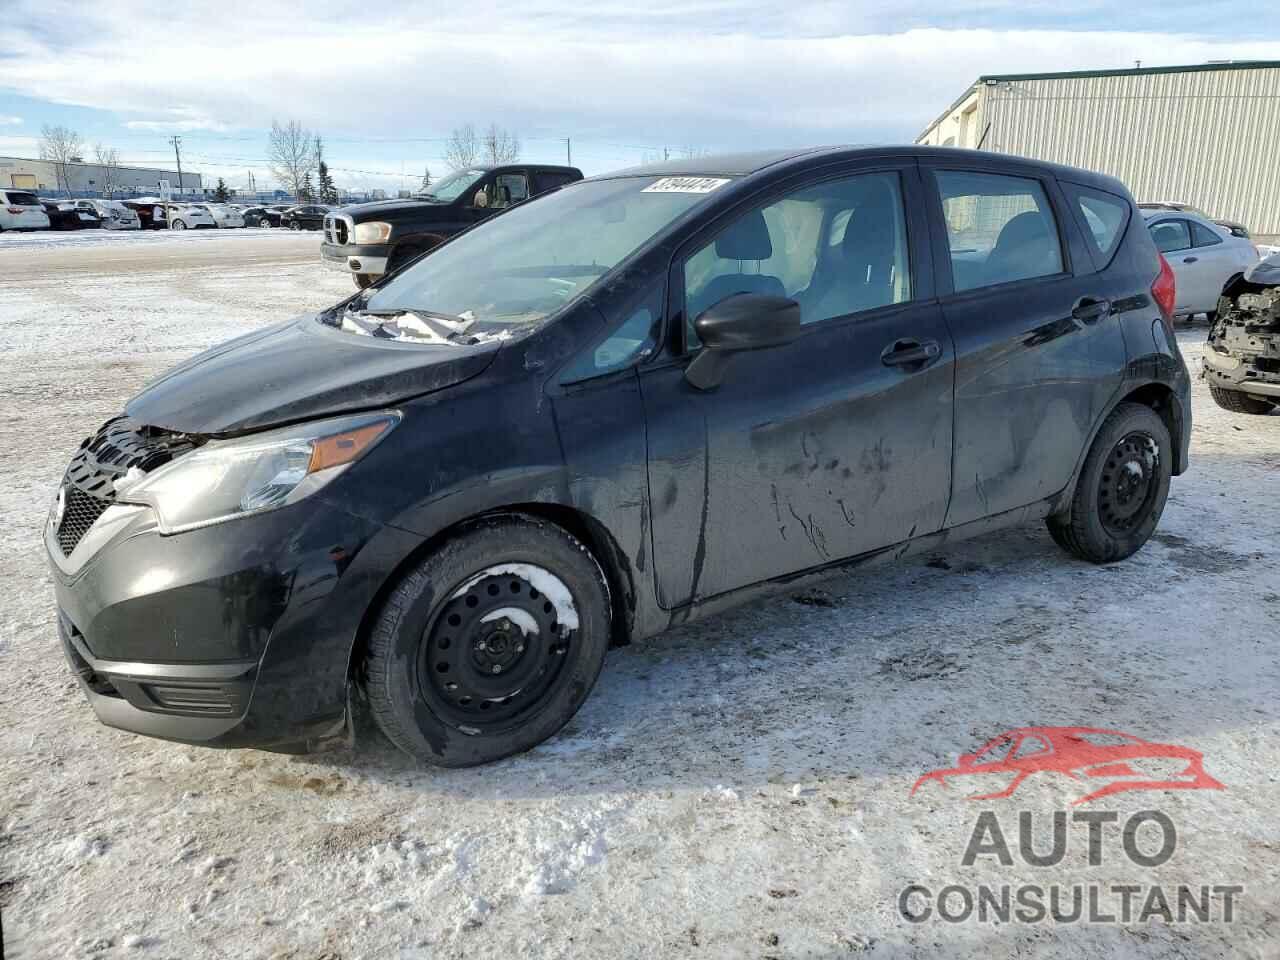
pixel 1243 350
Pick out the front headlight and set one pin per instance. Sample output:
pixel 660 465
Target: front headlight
pixel 225 479
pixel 373 232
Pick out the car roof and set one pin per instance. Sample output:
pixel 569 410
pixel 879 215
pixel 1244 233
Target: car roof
pixel 748 164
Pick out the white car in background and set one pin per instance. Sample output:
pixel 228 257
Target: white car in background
pixel 225 215
pixel 22 210
pixel 115 215
pixel 190 216
pixel 1203 255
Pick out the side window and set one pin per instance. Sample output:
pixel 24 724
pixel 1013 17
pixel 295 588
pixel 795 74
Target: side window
pixel 836 248
pixel 1171 235
pixel 999 228
pixel 548 180
pixel 1202 236
pixel 1105 216
pixel 508 189
pixel 636 337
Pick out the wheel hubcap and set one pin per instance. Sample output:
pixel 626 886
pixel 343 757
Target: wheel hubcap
pixel 492 652
pixel 1129 483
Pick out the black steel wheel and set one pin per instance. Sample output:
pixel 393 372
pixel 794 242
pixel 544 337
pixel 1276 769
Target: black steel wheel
pixel 1122 488
pixel 491 644
pixel 363 280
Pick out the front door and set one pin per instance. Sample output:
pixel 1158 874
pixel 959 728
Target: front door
pixel 832 446
pixel 1039 352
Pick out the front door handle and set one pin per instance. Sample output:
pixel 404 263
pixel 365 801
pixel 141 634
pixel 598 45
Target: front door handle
pixel 1090 309
pixel 910 353
pixel 1190 259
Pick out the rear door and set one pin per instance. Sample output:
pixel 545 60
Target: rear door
pixel 826 448
pixel 1038 353
pixel 1192 272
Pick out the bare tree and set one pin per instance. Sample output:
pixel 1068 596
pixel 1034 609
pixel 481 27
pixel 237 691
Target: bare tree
pixel 291 154
pixel 500 146
pixel 62 146
pixel 463 148
pixel 108 159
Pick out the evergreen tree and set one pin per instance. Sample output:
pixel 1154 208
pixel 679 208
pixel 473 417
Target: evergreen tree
pixel 306 192
pixel 220 193
pixel 328 192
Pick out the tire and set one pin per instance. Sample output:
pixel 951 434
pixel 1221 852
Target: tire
pixel 466 667
pixel 294 225
pixel 363 280
pixel 1122 488
pixel 178 225
pixel 1237 401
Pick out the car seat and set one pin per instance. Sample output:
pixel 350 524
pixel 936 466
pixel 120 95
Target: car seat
pixel 860 274
pixel 747 239
pixel 1026 247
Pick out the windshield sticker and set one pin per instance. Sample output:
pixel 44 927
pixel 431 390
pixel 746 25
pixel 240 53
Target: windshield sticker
pixel 685 185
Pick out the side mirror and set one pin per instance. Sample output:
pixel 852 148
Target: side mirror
pixel 744 321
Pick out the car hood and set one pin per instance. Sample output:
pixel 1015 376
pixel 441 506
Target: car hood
pixel 390 209
pixel 298 370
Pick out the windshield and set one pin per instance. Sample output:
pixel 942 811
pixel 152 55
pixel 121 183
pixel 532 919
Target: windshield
pixel 514 270
pixel 452 186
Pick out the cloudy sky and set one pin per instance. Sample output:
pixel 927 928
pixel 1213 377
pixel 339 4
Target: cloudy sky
pixel 384 83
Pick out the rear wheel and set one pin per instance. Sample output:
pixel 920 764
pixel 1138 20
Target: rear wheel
pixel 294 225
pixel 490 644
pixel 178 225
pixel 1237 401
pixel 1122 489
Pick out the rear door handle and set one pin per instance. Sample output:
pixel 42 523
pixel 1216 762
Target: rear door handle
pixel 908 353
pixel 1190 259
pixel 1090 310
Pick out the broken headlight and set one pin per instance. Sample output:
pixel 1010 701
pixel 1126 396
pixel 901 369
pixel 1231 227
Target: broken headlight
pixel 375 231
pixel 225 479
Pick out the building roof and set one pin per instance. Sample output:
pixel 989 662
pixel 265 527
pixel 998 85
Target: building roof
pixel 118 166
pixel 1137 71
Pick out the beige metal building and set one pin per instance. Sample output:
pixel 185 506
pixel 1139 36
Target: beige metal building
pixel 1208 134
pixel 91 179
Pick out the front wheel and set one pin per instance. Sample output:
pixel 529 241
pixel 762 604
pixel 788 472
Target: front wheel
pixel 1121 491
pixel 363 280
pixel 1237 401
pixel 490 645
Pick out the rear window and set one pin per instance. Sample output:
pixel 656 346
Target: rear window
pixel 19 199
pixel 1105 217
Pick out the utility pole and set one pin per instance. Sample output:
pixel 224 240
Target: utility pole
pixel 568 152
pixel 177 155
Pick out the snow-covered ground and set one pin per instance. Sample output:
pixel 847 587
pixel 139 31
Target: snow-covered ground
pixel 92 238
pixel 738 788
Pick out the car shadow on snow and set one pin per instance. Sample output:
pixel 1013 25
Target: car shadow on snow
pixel 883 672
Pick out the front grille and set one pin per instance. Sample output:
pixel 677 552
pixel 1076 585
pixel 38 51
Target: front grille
pixel 89 485
pixel 81 512
pixel 335 229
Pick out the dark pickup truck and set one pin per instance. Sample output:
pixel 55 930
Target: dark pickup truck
pixel 370 239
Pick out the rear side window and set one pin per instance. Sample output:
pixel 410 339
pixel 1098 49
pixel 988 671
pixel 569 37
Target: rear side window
pixel 1105 217
pixel 1171 235
pixel 999 228
pixel 549 181
pixel 19 199
pixel 1202 236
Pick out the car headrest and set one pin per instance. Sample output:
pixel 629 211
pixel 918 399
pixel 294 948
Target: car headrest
pixel 1025 228
pixel 748 239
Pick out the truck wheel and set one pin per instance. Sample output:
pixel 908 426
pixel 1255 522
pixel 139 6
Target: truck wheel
pixel 1121 491
pixel 363 280
pixel 1237 401
pixel 490 644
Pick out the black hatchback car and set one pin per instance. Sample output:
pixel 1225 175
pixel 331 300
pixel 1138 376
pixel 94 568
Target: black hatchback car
pixel 632 402
pixel 306 216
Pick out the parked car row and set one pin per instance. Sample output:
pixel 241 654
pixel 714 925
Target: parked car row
pixel 24 210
